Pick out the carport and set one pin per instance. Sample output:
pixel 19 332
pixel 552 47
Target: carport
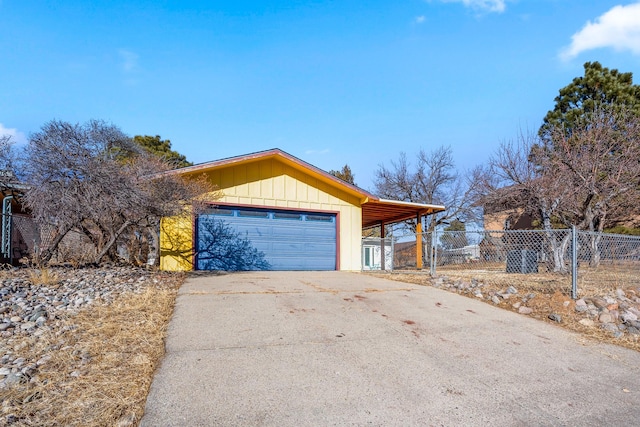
pixel 382 212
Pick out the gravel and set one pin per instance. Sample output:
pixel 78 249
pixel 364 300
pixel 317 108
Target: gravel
pixel 617 311
pixel 29 308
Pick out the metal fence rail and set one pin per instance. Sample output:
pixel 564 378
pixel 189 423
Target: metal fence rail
pixel 548 256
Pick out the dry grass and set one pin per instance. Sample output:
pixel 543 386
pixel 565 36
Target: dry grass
pixel 43 276
pixel 552 295
pixel 101 364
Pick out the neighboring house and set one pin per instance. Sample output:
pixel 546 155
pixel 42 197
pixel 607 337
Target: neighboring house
pixel 372 254
pixel 463 255
pixel 18 234
pixel 405 254
pixel 282 212
pixel 508 219
pixel 512 216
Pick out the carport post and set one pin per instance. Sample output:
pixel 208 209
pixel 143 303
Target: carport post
pixel 419 242
pixel 382 245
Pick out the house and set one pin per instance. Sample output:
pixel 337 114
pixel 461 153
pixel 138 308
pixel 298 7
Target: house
pixel 277 212
pixel 19 235
pixel 405 254
pixel 372 254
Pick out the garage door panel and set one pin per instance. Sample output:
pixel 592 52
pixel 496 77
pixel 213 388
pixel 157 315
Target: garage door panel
pixel 286 240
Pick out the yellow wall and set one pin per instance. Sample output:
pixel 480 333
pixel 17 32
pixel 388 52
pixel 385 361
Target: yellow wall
pixel 272 183
pixel 176 243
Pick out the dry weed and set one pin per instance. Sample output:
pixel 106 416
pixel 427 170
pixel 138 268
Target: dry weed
pixel 43 276
pixel 101 364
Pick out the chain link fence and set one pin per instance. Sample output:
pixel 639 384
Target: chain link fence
pixel 27 238
pixel 544 257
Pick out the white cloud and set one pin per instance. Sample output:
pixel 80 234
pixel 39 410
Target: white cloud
pixel 419 19
pixel 619 28
pixel 16 136
pixel 482 5
pixel 129 60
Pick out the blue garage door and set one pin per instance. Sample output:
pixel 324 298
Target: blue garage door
pixel 259 239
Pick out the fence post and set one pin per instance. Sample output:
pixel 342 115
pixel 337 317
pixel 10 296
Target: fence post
pixel 574 263
pixel 393 241
pixel 432 266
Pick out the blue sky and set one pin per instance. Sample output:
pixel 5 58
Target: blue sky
pixel 331 82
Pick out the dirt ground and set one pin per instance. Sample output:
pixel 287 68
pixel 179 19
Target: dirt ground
pixel 552 295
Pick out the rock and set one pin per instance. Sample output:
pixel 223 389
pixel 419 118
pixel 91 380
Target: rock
pixel 44 359
pixel 4 326
pixel 587 322
pixel 620 293
pixel 599 302
pixel 16 319
pixel 29 369
pixel 555 317
pixel 517 305
pixel 612 328
pixel 525 310
pixel 4 371
pixel 28 325
pixel 12 378
pixel 628 316
pixel 581 308
pixel 495 300
pixel 605 318
pixel 35 315
pixel 512 290
pixel 633 331
pixel 566 303
pixel 127 420
pixel 581 303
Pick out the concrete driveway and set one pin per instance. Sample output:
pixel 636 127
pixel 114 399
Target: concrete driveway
pixel 335 348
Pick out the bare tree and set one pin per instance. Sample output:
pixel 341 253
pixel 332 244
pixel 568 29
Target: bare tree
pixel 94 180
pixel 512 182
pixel 8 179
pixel 432 180
pixel 599 162
pixel 588 178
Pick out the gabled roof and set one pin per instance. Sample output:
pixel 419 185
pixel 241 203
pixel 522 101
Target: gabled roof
pixel 374 209
pixel 285 158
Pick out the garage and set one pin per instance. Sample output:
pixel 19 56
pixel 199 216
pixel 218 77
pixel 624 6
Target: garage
pixel 273 211
pixel 247 238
